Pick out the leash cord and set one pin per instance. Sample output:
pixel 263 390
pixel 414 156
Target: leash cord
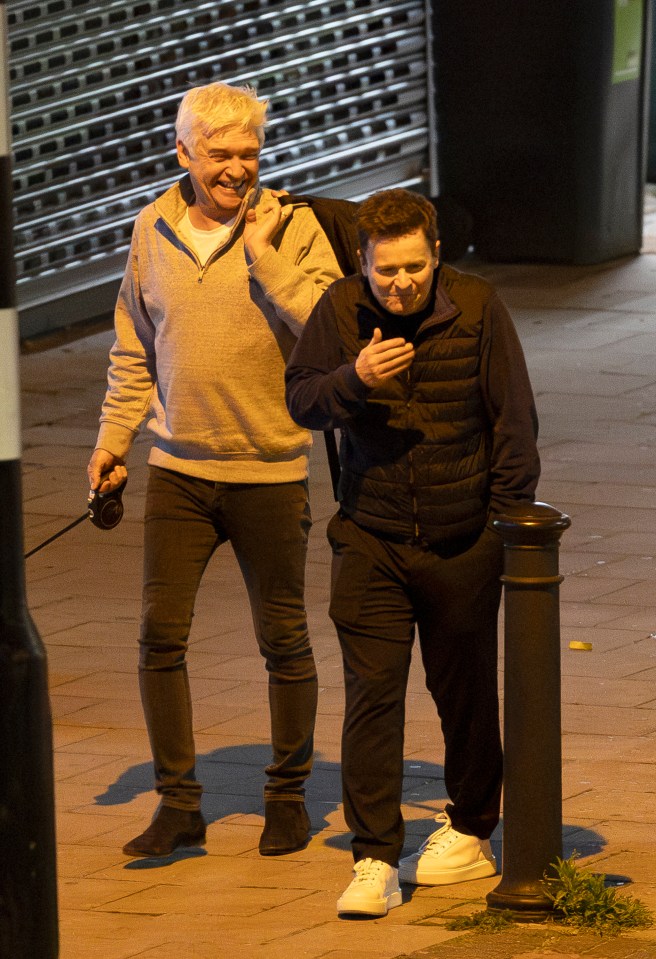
pixel 61 532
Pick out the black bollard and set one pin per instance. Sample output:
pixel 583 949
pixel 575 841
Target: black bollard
pixel 28 884
pixel 532 805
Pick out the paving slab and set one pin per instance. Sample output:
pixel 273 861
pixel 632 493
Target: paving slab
pixel 530 943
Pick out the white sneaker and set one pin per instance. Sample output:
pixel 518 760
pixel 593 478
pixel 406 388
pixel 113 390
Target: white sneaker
pixel 374 890
pixel 448 856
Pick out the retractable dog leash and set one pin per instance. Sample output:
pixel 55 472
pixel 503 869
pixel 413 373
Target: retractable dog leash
pixel 105 510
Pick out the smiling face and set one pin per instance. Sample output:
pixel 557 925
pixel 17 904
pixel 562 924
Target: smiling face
pixel 400 271
pixel 223 168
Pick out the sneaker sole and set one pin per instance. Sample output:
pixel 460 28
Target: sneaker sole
pixel 379 908
pixel 479 870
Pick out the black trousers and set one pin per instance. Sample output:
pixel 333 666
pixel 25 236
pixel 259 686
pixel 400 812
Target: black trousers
pixel 380 591
pixel 186 520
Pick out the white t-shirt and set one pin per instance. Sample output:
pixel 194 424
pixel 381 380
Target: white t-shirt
pixel 204 242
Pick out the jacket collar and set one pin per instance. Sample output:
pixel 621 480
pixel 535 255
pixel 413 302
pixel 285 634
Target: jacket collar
pixel 444 308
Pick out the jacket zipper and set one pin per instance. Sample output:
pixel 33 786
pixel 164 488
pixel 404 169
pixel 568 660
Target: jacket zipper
pixel 411 467
pixel 415 516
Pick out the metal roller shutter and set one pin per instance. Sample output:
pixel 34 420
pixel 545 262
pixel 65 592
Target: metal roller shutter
pixel 95 88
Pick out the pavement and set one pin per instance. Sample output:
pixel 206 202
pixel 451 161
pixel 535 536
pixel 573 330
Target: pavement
pixel 589 334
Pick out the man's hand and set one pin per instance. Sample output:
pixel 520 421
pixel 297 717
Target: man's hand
pixel 382 359
pixel 262 223
pixel 106 472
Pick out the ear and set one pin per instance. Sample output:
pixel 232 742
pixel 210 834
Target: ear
pixel 363 261
pixel 437 253
pixel 183 156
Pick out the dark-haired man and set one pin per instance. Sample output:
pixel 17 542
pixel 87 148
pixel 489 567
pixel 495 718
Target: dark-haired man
pixel 420 367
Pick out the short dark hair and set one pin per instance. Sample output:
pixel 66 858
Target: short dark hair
pixel 395 212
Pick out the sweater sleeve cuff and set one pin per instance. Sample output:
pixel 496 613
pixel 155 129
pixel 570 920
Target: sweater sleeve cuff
pixel 354 384
pixel 265 270
pixel 115 439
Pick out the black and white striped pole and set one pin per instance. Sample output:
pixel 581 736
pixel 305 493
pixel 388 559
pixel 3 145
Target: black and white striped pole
pixel 28 883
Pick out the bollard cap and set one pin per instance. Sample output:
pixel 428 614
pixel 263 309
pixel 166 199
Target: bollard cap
pixel 532 523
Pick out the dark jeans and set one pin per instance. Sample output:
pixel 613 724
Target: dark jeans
pixel 380 591
pixel 186 519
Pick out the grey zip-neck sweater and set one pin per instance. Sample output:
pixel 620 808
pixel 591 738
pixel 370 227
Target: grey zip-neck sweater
pixel 200 351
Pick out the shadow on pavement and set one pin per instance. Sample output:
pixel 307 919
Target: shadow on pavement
pixel 233 778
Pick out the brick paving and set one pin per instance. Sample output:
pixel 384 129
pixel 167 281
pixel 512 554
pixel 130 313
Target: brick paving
pixel 590 340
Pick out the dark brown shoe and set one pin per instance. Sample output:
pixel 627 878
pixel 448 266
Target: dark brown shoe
pixel 286 827
pixel 169 829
